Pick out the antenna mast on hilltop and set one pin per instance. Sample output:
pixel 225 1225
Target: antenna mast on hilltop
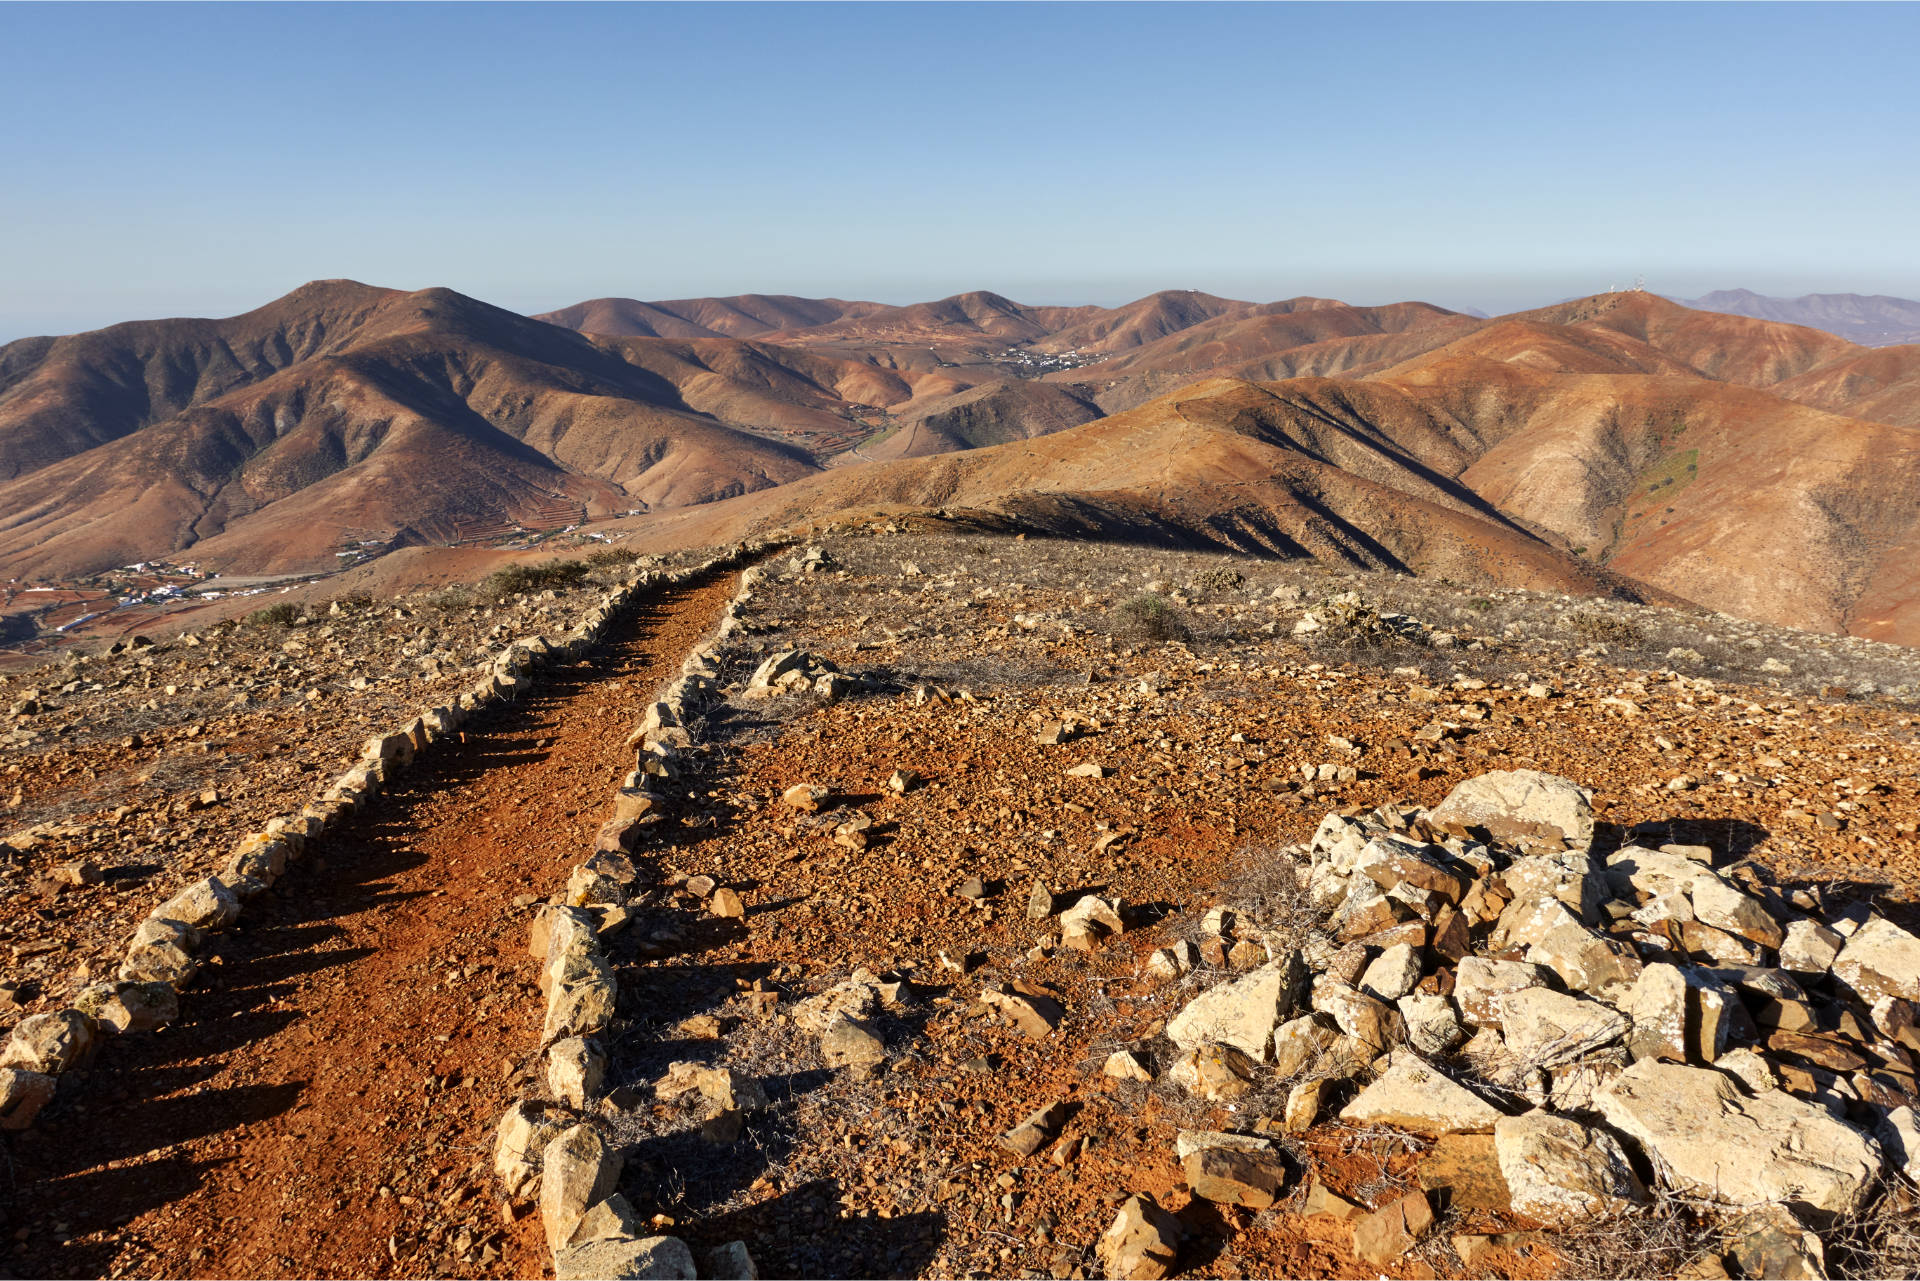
pixel 1640 283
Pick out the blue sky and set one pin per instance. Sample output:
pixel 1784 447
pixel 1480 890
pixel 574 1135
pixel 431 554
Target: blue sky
pixel 202 159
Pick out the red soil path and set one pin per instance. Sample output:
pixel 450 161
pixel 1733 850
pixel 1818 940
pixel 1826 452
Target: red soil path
pixel 325 1105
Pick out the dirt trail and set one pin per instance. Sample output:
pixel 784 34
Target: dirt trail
pixel 325 1105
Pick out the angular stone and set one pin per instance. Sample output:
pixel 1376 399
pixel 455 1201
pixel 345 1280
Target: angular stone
pixel 1481 984
pixel 1242 1013
pixel 1433 1029
pixel 1545 1028
pixel 1560 1173
pixel 626 1259
pixel 1393 973
pixel 852 1042
pixel 129 1006
pixel 1090 920
pixel 1413 1095
pixel 1214 1072
pixel 1462 1172
pixel 730 1262
pixel 520 1144
pixel 1035 1015
pixel 50 1043
pixel 576 1070
pixel 1125 1065
pixel 1142 1244
pixel 1810 948
pixel 206 905
pixel 22 1095
pixel 1298 1043
pixel 1519 805
pixel 576 1171
pixel 1303 1105
pixel 1039 903
pixel 1739 1150
pixel 1038 1130
pixel 1880 959
pixel 1228 1176
pixel 1384 1237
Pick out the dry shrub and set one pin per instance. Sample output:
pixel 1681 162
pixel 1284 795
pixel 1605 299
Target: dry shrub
pixel 1652 1242
pixel 518 580
pixel 1604 629
pixel 1884 1241
pixel 285 614
pixel 1152 617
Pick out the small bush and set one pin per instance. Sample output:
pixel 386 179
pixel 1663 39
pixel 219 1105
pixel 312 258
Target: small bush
pixel 1604 629
pixel 518 580
pixel 611 558
pixel 285 614
pixel 1221 578
pixel 1149 616
pixel 451 600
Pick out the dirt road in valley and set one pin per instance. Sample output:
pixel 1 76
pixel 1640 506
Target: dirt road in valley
pixel 325 1105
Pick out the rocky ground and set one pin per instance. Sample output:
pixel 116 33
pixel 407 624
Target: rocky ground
pixel 1047 766
pixel 130 770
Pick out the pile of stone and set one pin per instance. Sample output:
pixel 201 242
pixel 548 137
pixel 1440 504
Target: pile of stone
pixel 551 1147
pixel 162 957
pixel 795 671
pixel 1347 617
pixel 1601 1021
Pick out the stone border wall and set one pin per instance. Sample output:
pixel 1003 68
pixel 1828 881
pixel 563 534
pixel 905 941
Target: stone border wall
pixel 552 1147
pixel 161 958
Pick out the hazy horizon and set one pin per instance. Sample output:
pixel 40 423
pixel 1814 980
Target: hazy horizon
pixel 204 159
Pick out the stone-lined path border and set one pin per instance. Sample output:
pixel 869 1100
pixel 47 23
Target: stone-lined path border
pixel 549 1145
pixel 164 955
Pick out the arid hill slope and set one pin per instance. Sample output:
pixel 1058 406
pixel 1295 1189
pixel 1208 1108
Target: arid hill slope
pixel 339 412
pixel 1591 446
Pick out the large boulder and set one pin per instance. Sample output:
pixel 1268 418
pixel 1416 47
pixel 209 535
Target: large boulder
pixel 1714 1141
pixel 1242 1013
pixel 1559 1172
pixel 1519 806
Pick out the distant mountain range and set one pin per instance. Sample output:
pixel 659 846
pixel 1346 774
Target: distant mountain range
pixel 1618 444
pixel 1872 320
